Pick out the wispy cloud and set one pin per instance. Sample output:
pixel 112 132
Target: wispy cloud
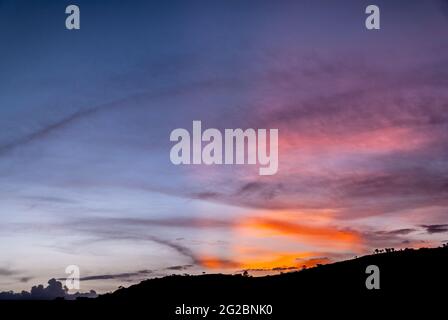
pixel 7 272
pixel 126 275
pixel 436 228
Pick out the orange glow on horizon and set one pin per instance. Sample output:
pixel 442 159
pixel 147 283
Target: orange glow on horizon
pixel 267 262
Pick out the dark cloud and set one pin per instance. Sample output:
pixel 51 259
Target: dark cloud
pixel 181 267
pixel 260 195
pixel 284 268
pixel 104 224
pixel 267 191
pixel 394 189
pixel 7 272
pixel 205 195
pixel 177 247
pixel 396 232
pixel 272 269
pixel 46 130
pixel 182 250
pixel 435 228
pixel 131 276
pixel 10 272
pixel 127 275
pixel 133 229
pixel 25 279
pixel 251 186
pixel 52 291
pixel 136 229
pixel 403 183
pixel 183 222
pixel 389 238
pixel 50 199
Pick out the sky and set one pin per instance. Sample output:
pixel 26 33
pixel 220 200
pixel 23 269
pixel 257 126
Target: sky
pixel 86 115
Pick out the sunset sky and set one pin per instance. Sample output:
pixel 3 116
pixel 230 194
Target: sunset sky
pixel 86 115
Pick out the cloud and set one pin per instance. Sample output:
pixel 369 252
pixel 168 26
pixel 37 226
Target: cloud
pixel 137 229
pixel 177 247
pixel 52 291
pixel 251 226
pixel 340 148
pixel 404 231
pixel 212 262
pixel 181 267
pixel 435 228
pixel 131 275
pixel 389 238
pixel 25 279
pixel 43 132
pixel 273 262
pixel 7 272
pixel 127 275
pixel 266 191
pixel 49 199
pixel 273 269
pixel 130 100
pixel 182 222
pixel 132 229
pixel 306 233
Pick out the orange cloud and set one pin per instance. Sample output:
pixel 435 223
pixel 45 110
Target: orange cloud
pixel 270 261
pixel 263 258
pixel 211 262
pixel 283 261
pixel 306 233
pixel 285 239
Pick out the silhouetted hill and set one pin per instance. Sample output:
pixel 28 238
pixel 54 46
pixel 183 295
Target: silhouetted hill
pixel 405 276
